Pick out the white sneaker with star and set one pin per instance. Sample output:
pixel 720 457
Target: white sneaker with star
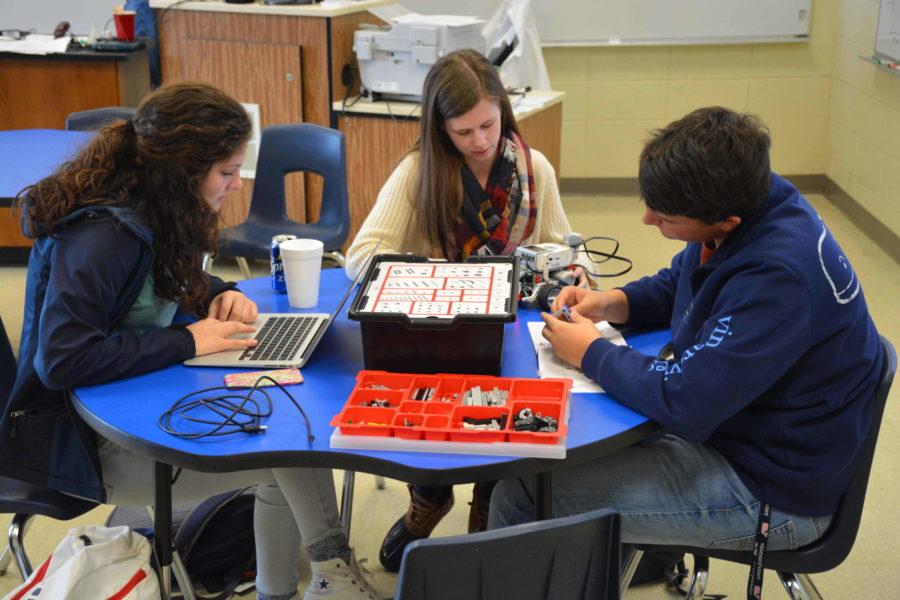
pixel 336 580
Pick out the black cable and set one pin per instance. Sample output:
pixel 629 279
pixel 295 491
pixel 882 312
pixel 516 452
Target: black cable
pixel 394 117
pixel 348 78
pixel 166 10
pixel 606 256
pixel 234 415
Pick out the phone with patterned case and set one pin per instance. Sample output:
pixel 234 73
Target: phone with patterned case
pixel 248 380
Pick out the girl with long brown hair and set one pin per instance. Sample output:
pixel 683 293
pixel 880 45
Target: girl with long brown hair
pixel 119 235
pixel 470 185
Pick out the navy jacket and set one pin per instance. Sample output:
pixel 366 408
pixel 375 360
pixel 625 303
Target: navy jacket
pixel 776 356
pixel 82 280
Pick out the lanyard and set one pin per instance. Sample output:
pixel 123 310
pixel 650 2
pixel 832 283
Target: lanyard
pixel 757 567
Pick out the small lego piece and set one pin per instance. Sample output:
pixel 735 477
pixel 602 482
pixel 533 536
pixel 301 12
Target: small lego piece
pixel 564 314
pixel 377 402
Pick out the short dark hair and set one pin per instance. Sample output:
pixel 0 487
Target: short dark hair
pixel 709 165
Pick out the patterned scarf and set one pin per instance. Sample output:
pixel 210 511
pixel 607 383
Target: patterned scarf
pixel 495 220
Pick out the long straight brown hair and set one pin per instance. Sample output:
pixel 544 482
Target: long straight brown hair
pixel 453 86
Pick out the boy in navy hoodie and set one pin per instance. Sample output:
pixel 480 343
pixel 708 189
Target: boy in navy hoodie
pixel 776 358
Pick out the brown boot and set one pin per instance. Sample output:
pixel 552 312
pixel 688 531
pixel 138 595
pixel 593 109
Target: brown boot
pixel 478 508
pixel 420 519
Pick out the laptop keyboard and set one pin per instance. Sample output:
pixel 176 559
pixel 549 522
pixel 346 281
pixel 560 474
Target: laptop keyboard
pixel 280 337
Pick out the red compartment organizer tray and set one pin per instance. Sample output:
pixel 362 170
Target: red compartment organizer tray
pixel 425 413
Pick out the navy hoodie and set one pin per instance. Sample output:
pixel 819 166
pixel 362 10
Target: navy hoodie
pixel 776 356
pixel 82 281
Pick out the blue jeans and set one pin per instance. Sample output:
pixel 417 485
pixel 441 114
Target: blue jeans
pixel 668 491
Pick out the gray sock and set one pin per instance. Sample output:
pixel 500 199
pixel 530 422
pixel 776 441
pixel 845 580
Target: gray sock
pixel 334 547
pixel 276 596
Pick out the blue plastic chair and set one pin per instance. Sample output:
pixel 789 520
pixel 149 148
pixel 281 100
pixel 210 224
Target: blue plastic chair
pixel 570 558
pixel 826 553
pixel 286 149
pixel 97 118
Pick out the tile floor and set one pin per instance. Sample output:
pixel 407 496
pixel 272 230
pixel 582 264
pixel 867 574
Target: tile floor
pixel 872 570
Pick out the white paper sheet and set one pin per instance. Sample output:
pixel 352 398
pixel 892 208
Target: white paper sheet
pixel 551 366
pixel 35 43
pixel 451 20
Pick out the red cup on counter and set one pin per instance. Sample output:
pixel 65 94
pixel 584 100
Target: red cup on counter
pixel 124 25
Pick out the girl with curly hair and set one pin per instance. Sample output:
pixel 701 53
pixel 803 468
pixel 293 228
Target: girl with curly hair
pixel 119 236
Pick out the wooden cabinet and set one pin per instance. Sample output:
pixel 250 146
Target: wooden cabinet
pixel 38 92
pixel 286 59
pixel 277 88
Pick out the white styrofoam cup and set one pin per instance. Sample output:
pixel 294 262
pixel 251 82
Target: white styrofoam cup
pixel 302 260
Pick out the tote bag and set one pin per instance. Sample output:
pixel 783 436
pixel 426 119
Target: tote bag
pixel 91 563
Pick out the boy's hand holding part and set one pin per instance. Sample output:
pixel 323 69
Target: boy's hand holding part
pixel 571 330
pixel 570 339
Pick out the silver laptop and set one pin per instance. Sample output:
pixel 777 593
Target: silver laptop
pixel 285 340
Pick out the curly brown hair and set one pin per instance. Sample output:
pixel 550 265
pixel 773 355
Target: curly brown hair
pixel 154 164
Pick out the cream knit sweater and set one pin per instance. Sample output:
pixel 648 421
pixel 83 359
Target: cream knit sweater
pixel 391 219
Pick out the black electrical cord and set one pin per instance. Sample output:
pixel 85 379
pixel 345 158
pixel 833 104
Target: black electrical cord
pixel 164 11
pixel 232 410
pixel 348 78
pixel 606 256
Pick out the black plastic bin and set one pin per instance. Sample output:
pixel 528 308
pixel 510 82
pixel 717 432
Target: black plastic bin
pixel 465 343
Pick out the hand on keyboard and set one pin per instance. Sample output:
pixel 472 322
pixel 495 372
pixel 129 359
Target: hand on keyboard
pixel 212 335
pixel 233 306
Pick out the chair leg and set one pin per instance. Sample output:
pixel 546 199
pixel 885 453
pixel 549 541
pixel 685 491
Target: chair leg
pixel 179 571
pixel 5 559
pixel 631 565
pixel 336 256
pixel 347 501
pixel 207 263
pixel 799 586
pixel 17 544
pixel 379 482
pixel 244 267
pixel 699 577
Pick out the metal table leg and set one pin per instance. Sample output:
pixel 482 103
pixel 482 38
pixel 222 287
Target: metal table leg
pixel 347 501
pixel 543 503
pixel 162 525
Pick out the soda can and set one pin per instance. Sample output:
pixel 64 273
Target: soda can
pixel 277 267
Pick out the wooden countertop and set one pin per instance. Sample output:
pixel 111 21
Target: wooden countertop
pixel 327 8
pixel 523 106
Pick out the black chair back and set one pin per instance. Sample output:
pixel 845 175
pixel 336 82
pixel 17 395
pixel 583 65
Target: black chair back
pixel 21 498
pixel 570 558
pixel 97 118
pixel 834 546
pixel 7 366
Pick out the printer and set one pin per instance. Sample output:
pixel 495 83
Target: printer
pixel 393 60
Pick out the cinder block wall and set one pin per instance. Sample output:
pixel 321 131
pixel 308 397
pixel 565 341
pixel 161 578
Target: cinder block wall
pixel 829 111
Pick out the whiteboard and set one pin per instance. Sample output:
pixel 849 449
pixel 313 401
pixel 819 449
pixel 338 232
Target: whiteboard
pixel 642 22
pixel 887 41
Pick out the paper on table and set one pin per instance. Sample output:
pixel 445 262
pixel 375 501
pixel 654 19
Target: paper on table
pixel 452 20
pixel 524 103
pixel 551 366
pixel 35 43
